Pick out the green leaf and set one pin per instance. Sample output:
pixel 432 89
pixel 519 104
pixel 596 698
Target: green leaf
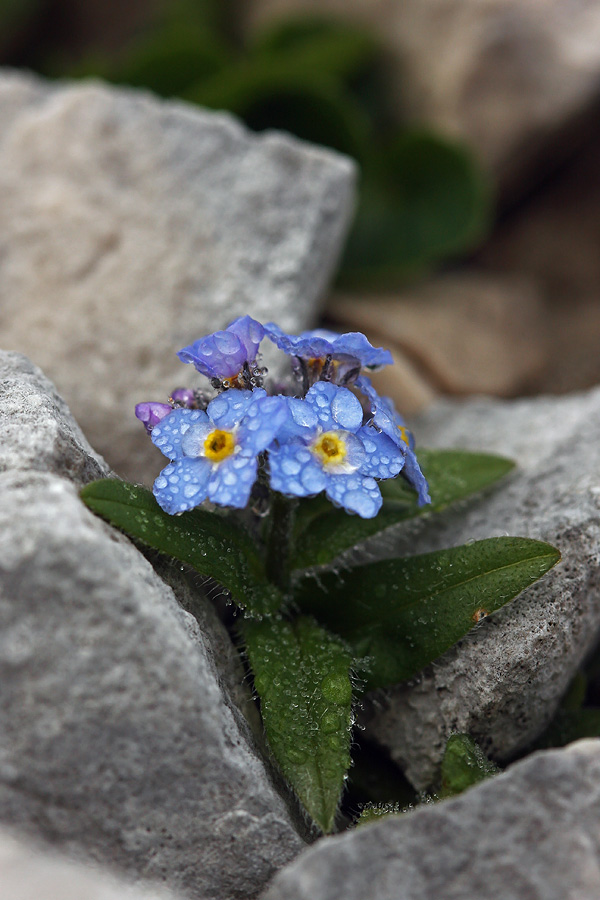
pixel 323 532
pixel 277 94
pixel 170 60
pixel 464 764
pixel 302 676
pixel 211 543
pixel 453 475
pixel 311 44
pixel 425 201
pixel 404 613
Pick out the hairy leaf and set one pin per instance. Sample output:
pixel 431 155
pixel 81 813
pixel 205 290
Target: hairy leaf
pixel 302 676
pixel 213 544
pixel 402 614
pixel 463 765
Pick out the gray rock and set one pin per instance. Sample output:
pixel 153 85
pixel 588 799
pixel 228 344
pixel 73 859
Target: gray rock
pixel 117 739
pixel 28 872
pixel 502 683
pixel 37 430
pixel 529 834
pixel 130 227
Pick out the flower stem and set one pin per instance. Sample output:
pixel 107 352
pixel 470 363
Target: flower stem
pixel 279 540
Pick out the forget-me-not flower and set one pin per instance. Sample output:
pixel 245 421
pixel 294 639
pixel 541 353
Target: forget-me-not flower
pixel 335 357
pixel 390 422
pixel 214 453
pixel 325 447
pixel 228 355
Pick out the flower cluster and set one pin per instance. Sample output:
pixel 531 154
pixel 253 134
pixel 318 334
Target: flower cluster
pixel 328 431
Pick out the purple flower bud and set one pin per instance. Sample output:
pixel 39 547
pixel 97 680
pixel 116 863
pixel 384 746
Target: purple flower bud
pixel 152 413
pixel 183 397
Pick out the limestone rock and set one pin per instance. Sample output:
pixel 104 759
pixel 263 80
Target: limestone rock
pixel 117 740
pixel 123 718
pixel 37 430
pixel 529 833
pixel 130 227
pixel 30 873
pixel 507 76
pixel 503 682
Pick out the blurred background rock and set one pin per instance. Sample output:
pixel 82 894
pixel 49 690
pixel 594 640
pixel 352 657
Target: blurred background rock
pixel 475 247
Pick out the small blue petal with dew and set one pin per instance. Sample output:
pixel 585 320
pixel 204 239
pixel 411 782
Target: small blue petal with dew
pixel 390 422
pixel 223 354
pixel 325 447
pixel 321 343
pixel 214 453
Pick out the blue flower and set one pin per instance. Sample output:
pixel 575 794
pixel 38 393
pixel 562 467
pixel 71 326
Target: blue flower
pixel 339 357
pixel 325 447
pixel 214 453
pixel 390 422
pixel 223 355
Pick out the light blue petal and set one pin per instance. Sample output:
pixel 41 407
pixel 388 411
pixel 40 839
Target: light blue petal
pixel 169 434
pixel 355 493
pixel 229 408
pixel 335 407
pixel 413 474
pixel 232 480
pixel 301 423
pixel 182 485
pixel 294 470
pixel 383 457
pixel 262 422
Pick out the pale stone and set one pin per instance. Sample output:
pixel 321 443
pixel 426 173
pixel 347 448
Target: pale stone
pixel 124 720
pixel 532 833
pixel 130 227
pixel 118 741
pixel 28 872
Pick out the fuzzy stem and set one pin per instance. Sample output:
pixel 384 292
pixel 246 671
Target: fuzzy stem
pixel 279 540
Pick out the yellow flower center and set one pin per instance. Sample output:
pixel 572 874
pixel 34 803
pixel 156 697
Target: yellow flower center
pixel 330 448
pixel 219 445
pixel 404 434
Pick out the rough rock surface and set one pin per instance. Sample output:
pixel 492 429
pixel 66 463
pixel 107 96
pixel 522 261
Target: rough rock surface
pixel 117 739
pixel 122 735
pixel 37 430
pixel 130 227
pixel 530 834
pixel 503 682
pixel 505 75
pixel 30 873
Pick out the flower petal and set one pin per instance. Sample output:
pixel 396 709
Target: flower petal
pixel 383 457
pixel 335 407
pixel 295 471
pixel 182 485
pixel 170 432
pixel 356 493
pixel 231 481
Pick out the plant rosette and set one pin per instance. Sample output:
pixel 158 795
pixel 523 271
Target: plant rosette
pixel 266 485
